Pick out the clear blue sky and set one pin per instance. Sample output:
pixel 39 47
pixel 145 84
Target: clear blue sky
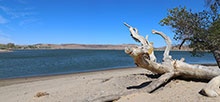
pixel 85 21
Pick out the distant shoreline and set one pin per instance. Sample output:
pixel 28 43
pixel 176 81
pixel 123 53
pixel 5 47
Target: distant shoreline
pixel 91 46
pixel 6 51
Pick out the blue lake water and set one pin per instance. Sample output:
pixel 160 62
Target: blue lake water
pixel 24 63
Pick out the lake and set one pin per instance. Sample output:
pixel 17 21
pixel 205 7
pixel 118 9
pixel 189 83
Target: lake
pixel 24 63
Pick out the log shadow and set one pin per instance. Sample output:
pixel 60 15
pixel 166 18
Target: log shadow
pixel 145 84
pixel 139 86
pixel 202 92
pixel 152 76
pixel 192 79
pixel 155 76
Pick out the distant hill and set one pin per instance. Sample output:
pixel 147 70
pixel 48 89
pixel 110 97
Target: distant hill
pixel 99 46
pixel 175 48
pixel 82 46
pixel 8 47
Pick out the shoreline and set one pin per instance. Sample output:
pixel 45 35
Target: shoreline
pixel 88 49
pixel 93 86
pixel 94 70
pixel 80 87
pixel 5 51
pixel 155 49
pixel 18 80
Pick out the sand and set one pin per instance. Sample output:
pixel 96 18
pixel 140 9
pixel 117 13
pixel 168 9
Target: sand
pixel 87 87
pixel 4 51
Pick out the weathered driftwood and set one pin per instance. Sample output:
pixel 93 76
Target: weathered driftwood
pixel 144 57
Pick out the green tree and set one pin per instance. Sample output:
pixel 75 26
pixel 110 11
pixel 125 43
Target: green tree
pixel 3 46
pixel 201 30
pixel 11 45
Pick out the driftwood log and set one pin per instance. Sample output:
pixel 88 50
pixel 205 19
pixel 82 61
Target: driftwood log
pixel 144 57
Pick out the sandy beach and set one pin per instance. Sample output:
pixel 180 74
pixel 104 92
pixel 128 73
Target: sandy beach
pixel 94 86
pixel 5 51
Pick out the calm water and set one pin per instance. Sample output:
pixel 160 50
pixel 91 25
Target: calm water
pixel 23 63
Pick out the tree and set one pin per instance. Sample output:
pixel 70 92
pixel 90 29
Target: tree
pixel 201 30
pixel 213 4
pixel 11 45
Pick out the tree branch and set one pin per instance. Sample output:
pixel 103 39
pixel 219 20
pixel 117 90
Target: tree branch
pixel 136 36
pixel 161 80
pixel 184 40
pixel 168 41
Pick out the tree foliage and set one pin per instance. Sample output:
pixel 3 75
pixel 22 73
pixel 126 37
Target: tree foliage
pixel 10 45
pixel 201 30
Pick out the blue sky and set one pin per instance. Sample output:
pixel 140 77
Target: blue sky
pixel 85 21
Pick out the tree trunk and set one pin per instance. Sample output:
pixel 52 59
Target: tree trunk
pixel 216 54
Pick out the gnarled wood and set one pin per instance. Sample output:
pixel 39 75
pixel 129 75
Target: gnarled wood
pixel 212 88
pixel 161 80
pixel 170 68
pixel 145 45
pixel 136 36
pixel 168 41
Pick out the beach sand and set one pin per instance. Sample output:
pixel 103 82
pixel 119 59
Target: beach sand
pixel 90 86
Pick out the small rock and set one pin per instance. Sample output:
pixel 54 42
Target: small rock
pixel 102 92
pixel 40 94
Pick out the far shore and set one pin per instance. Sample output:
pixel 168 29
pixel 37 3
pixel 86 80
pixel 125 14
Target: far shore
pixel 92 46
pixel 6 51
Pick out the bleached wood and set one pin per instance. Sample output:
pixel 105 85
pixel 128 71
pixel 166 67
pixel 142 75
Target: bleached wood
pixel 145 45
pixel 161 80
pixel 212 88
pixel 170 68
pixel 168 42
pixel 146 37
pixel 134 33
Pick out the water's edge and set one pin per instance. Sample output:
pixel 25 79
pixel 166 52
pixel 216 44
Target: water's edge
pixel 18 80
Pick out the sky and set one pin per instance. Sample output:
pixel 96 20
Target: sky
pixel 26 22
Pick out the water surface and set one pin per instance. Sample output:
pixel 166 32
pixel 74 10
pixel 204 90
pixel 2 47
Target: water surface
pixel 23 63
